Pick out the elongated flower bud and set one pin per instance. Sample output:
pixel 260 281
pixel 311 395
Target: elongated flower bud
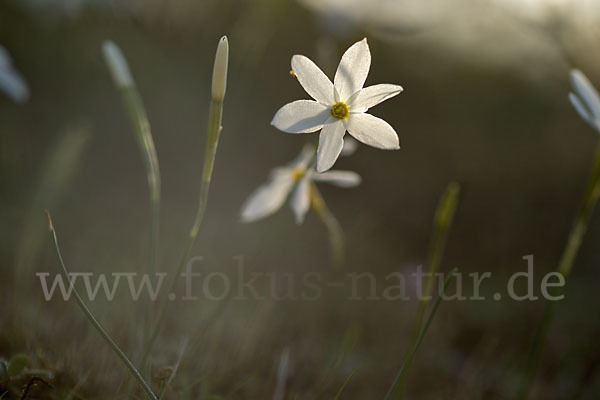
pixel 117 64
pixel 219 79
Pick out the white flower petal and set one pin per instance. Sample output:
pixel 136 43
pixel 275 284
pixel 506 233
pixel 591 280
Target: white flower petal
pixel 372 131
pixel 580 108
pixel 343 179
pixel 313 80
pixel 586 91
pixel 269 197
pixel 370 96
pixel 301 116
pixel 331 142
pixel 350 146
pixel 300 201
pixel 353 69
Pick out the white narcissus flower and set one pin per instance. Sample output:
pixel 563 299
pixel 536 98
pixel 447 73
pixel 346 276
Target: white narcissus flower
pixel 294 179
pixel 339 106
pixel 585 99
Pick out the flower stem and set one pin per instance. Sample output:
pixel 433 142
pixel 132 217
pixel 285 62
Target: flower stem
pixel 212 141
pixel 565 265
pixel 442 221
pixel 405 367
pixel 336 234
pixel 93 320
pixel 215 116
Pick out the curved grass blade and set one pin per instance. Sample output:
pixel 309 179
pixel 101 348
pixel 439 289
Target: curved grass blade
pixel 339 393
pixel 139 120
pixel 442 222
pixel 93 319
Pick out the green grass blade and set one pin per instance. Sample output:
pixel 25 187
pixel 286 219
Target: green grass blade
pixel 93 319
pixel 132 102
pixel 339 393
pixel 442 222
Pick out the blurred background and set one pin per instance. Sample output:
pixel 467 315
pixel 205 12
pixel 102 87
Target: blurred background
pixel 484 104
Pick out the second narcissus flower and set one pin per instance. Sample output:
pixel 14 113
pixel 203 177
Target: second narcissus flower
pixel 339 106
pixel 294 179
pixel 586 99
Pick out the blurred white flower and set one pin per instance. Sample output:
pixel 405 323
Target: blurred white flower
pixel 340 106
pixel 585 99
pixel 11 81
pixel 294 179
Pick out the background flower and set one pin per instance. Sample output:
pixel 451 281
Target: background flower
pixel 295 178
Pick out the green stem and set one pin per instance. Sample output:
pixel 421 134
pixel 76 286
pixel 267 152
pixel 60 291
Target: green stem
pixel 336 233
pixel 405 367
pixel 565 265
pixel 93 320
pixel 212 140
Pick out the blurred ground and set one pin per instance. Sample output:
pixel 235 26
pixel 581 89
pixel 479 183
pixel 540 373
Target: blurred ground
pixel 495 118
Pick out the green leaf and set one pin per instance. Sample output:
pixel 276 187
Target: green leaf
pixel 16 365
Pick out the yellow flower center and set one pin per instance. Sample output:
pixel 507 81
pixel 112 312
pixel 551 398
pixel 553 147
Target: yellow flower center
pixel 340 110
pixel 297 173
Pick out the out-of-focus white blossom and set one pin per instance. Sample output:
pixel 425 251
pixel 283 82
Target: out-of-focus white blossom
pixel 294 182
pixel 585 99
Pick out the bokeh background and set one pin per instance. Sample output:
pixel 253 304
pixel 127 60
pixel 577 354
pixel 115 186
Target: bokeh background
pixel 485 105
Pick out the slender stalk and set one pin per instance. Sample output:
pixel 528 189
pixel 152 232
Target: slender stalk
pixel 336 234
pixel 339 393
pixel 405 367
pixel 565 265
pixel 93 320
pixel 134 106
pixel 215 115
pixel 442 221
